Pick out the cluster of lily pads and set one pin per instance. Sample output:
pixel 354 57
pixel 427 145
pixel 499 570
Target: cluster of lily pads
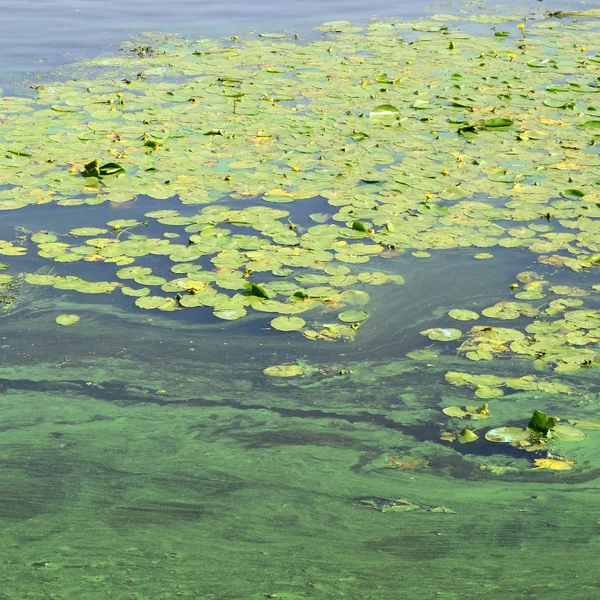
pixel 296 174
pixel 418 136
pixel 566 343
pixel 541 431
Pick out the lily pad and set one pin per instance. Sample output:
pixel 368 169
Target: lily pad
pixel 284 371
pixel 353 316
pixel 507 435
pixel 288 323
pixel 442 334
pixel 67 319
pixel 463 315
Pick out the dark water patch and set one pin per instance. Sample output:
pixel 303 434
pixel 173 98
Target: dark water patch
pixel 299 437
pixel 33 482
pixel 215 484
pixel 160 513
pixel 419 432
pixel 425 547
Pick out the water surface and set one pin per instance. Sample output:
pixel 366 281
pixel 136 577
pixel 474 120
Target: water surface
pixel 146 454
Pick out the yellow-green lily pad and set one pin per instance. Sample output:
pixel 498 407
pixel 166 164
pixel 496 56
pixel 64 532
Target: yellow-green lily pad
pixel 353 316
pixel 288 323
pixel 442 334
pixel 67 319
pixel 284 371
pixel 463 314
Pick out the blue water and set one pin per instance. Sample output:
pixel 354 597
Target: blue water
pixel 38 33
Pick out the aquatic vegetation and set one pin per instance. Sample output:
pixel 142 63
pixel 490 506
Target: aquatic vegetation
pixel 406 132
pixel 67 319
pixel 284 185
pixel 472 412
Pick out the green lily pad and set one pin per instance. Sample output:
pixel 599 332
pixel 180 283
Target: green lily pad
pixel 463 315
pixel 592 423
pixel 353 316
pixel 590 127
pixel 384 110
pixel 567 433
pixel 67 319
pixel 284 371
pixel 88 231
pixel 507 435
pixel 442 334
pixel 288 323
pixel 230 314
pixel 156 302
pixel 43 237
pixel 484 391
pixel 466 436
pixel 136 292
pixel 473 412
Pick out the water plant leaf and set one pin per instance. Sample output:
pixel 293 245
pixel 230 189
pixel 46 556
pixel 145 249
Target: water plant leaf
pixel 590 127
pixel 442 334
pixel 284 371
pixel 231 313
pixel 87 231
pixel 541 423
pixel 567 433
pixel 473 412
pixel 593 424
pixel 554 464
pixel 256 290
pixel 353 316
pixel 156 302
pixel 67 319
pixel 384 110
pixel 288 323
pixel 463 315
pixel 466 436
pixel 507 435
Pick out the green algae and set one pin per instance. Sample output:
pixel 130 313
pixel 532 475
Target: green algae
pixel 158 450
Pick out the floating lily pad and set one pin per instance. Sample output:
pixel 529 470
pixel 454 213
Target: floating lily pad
pixel 231 314
pixel 554 464
pixel 284 371
pixel 466 436
pixel 472 412
pixel 463 315
pixel 288 323
pixel 442 334
pixel 43 237
pixel 88 231
pixel 67 319
pixel 353 316
pixel 507 435
pixel 137 292
pixel 567 433
pixel 384 110
pixel 593 424
pixel 156 302
pixel 484 391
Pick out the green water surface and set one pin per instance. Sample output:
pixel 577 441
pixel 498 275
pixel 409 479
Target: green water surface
pixel 241 282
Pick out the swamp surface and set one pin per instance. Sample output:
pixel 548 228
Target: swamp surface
pixel 304 310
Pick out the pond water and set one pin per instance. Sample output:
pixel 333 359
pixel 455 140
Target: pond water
pixel 286 312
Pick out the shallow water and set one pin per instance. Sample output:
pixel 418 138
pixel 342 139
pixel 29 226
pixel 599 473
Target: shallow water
pixel 144 454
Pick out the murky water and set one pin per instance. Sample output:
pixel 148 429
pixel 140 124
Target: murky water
pixel 145 454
